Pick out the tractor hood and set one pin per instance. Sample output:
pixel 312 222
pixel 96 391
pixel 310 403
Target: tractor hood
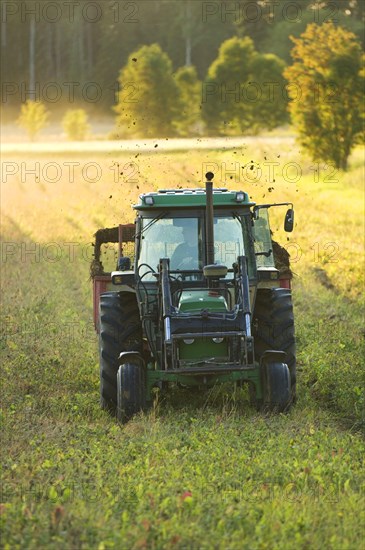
pixel 194 301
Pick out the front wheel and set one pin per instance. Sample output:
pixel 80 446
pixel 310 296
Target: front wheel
pixel 273 327
pixel 277 387
pixel 131 390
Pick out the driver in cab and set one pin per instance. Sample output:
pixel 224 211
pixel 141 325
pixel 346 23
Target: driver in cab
pixel 186 254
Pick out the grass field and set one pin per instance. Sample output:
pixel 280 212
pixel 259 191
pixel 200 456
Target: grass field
pixel 202 471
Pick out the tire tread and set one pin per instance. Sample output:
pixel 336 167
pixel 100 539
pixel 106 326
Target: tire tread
pixel 120 330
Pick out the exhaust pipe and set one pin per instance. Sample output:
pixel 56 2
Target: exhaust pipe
pixel 209 218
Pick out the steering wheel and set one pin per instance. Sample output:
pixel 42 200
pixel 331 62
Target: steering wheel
pixel 186 263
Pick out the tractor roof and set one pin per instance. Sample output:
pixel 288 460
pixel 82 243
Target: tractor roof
pixel 191 198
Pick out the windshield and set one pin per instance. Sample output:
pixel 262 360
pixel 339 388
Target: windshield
pixel 228 240
pixel 181 240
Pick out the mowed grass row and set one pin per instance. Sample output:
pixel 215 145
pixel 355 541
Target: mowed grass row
pixel 197 470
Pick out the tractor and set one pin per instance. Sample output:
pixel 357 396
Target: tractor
pixel 201 295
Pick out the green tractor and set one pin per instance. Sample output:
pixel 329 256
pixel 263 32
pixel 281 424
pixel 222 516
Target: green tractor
pixel 201 295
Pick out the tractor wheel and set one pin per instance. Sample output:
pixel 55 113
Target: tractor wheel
pixel 131 391
pixel 276 386
pixel 273 327
pixel 120 330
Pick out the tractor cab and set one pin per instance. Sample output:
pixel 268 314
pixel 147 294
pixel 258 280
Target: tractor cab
pixel 173 224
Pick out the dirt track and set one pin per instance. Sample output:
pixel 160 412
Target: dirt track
pixel 148 145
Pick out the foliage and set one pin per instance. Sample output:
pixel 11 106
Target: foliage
pixel 190 97
pixel 327 101
pixel 277 38
pixel 223 109
pixel 270 24
pixel 329 360
pixel 75 124
pixel 149 97
pixel 74 49
pixel 270 109
pixel 33 117
pixel 243 91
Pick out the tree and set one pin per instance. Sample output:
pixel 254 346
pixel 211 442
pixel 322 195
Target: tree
pixel 244 91
pixel 190 98
pixel 270 108
pixel 75 124
pixel 327 103
pixel 149 97
pixel 33 117
pixel 224 108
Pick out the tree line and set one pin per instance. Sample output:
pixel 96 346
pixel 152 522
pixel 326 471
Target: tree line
pixel 71 52
pixel 166 87
pixel 246 91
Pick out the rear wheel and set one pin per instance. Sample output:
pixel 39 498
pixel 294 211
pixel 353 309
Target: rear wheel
pixel 120 330
pixel 273 327
pixel 131 390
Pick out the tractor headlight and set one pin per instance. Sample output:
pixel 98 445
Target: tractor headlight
pixel 218 340
pixel 240 196
pixel 149 200
pixel 189 341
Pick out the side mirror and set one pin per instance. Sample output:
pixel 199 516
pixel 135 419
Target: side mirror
pixel 289 221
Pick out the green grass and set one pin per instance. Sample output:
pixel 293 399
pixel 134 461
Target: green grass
pixel 197 471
